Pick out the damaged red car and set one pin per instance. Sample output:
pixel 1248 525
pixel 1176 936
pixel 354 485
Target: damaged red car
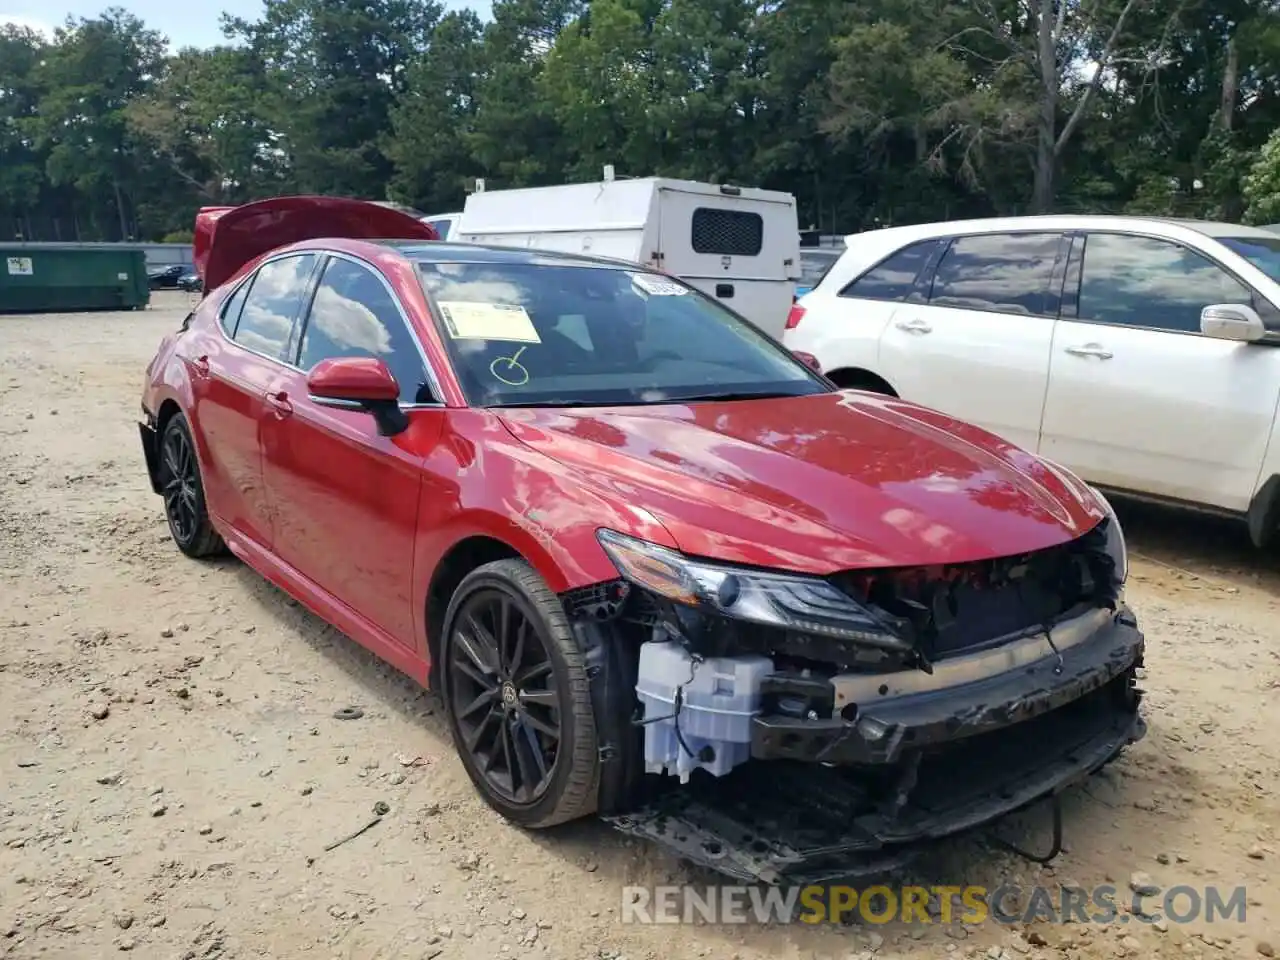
pixel 658 568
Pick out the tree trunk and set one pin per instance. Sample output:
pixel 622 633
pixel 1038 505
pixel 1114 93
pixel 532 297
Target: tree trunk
pixel 1047 121
pixel 1230 84
pixel 124 223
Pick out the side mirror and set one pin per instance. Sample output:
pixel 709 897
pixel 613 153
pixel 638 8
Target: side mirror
pixel 362 383
pixel 808 359
pixel 1232 321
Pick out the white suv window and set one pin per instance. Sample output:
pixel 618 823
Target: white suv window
pixel 894 277
pixel 1145 282
pixel 1000 273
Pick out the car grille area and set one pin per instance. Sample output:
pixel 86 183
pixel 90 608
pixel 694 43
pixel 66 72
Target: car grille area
pixel 956 609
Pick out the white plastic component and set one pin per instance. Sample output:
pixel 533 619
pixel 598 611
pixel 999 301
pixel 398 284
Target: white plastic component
pixel 719 697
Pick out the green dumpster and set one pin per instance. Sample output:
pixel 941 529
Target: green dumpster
pixel 53 277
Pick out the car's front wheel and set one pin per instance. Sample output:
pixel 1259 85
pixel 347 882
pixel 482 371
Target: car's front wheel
pixel 183 491
pixel 518 698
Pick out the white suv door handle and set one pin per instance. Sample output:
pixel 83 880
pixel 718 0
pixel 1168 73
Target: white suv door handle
pixel 914 326
pixel 1090 350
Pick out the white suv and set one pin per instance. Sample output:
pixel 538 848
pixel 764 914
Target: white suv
pixel 1143 354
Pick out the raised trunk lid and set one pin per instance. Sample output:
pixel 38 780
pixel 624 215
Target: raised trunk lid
pixel 226 238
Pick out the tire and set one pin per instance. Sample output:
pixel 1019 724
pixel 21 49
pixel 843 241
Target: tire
pixel 569 787
pixel 859 380
pixel 193 531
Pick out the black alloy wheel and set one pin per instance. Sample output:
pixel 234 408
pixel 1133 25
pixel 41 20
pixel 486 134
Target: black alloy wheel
pixel 518 697
pixel 507 710
pixel 183 492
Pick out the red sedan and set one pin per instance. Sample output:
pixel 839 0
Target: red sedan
pixel 658 568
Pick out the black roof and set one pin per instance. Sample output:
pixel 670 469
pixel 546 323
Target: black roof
pixel 437 251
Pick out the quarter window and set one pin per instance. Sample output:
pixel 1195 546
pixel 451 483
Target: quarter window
pixel 1146 282
pixel 231 309
pixel 895 277
pixel 354 315
pixel 272 305
pixel 1001 273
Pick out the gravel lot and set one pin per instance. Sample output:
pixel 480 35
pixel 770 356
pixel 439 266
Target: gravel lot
pixel 171 770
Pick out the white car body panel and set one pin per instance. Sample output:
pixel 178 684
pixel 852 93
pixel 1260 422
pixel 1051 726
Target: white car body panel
pixel 1171 414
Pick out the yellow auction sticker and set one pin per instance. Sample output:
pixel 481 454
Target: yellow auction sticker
pixel 474 320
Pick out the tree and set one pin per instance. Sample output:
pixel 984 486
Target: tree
pixel 86 82
pixel 434 117
pixel 883 111
pixel 22 174
pixel 598 83
pixel 332 71
pixel 204 120
pixel 1262 184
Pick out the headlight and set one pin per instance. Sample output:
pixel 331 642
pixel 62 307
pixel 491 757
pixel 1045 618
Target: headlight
pixel 789 601
pixel 1116 547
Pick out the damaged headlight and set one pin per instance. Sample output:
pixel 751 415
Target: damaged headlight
pixel 789 601
pixel 1116 547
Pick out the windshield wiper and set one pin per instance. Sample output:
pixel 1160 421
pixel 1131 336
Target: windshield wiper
pixel 515 404
pixel 737 395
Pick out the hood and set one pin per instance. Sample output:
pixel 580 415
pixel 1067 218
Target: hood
pixel 817 484
pixel 226 238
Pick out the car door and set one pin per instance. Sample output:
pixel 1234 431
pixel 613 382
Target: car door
pixel 974 342
pixel 230 376
pixel 345 499
pixel 842 326
pixel 1138 398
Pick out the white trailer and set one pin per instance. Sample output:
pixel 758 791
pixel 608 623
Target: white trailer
pixel 739 245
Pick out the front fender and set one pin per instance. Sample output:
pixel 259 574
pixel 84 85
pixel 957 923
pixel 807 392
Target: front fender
pixel 482 482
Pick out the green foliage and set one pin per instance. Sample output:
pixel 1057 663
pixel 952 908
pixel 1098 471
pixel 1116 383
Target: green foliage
pixel 884 111
pixel 1262 184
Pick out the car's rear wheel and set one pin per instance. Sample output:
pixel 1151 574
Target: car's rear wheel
pixel 183 491
pixel 518 698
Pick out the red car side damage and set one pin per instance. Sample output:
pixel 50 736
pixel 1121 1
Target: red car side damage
pixel 939 598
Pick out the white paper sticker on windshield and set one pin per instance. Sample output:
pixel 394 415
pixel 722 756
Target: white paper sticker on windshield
pixel 471 320
pixel 657 286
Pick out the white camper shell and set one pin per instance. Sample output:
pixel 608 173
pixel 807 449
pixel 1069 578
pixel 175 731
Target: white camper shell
pixel 739 245
pixel 445 224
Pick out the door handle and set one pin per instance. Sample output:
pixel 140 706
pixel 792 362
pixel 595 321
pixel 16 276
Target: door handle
pixel 1090 350
pixel 280 403
pixel 201 367
pixel 914 326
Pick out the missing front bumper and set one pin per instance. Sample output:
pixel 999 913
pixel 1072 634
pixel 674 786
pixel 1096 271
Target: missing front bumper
pixel 840 800
pixel 788 822
pixel 963 697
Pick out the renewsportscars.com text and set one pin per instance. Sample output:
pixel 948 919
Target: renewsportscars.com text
pixel 911 904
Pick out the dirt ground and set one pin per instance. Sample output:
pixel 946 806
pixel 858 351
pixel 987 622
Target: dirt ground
pixel 171 769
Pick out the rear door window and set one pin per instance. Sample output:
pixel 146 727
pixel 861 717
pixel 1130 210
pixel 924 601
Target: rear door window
pixel 999 273
pixel 895 277
pixel 274 301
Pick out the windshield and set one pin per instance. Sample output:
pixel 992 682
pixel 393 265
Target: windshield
pixel 522 334
pixel 1262 252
